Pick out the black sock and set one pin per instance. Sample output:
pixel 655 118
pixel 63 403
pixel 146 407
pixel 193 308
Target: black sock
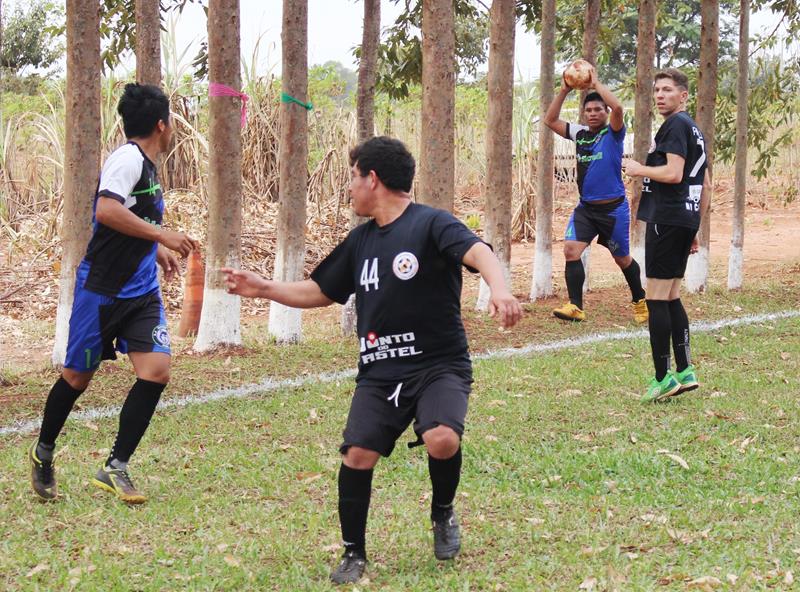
pixel 445 475
pixel 355 487
pixel 660 331
pixel 633 276
pixel 575 276
pixel 680 334
pixel 134 418
pixel 56 410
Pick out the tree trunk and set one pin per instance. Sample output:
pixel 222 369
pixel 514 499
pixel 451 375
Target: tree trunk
pixel 642 115
pixel 81 154
pixel 498 139
pixel 437 141
pixel 220 319
pixel 591 25
pixel 697 266
pixel 285 323
pixel 365 114
pixel 736 257
pixel 148 42
pixel 543 257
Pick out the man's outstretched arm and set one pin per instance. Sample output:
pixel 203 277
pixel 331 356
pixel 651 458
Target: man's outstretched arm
pixel 304 294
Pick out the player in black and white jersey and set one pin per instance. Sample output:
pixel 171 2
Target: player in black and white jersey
pixel 675 196
pixel 404 267
pixel 117 303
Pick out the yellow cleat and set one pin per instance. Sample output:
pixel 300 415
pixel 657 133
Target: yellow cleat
pixel 640 312
pixel 569 312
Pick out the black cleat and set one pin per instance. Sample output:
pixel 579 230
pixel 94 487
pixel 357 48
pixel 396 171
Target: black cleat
pixel 350 569
pixel 119 483
pixel 43 478
pixel 446 537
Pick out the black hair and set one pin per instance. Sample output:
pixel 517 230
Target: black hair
pixel 389 158
pixel 593 96
pixel 141 107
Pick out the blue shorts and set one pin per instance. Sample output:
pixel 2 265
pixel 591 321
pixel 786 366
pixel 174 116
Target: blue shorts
pixel 609 222
pixel 136 324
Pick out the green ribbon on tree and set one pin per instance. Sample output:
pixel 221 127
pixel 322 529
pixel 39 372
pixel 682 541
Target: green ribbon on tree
pixel 290 99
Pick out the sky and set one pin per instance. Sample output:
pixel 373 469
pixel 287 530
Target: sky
pixel 334 28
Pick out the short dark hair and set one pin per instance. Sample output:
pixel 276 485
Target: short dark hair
pixel 678 77
pixel 593 96
pixel 389 158
pixel 141 107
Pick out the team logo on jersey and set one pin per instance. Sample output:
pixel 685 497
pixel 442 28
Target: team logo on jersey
pixel 161 335
pixel 405 265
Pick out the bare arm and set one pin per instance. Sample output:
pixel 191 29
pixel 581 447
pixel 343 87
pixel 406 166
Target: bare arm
pixel 610 99
pixel 672 172
pixel 552 117
pixel 481 257
pixel 113 214
pixel 304 294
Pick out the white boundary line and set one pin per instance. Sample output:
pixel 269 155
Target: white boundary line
pixel 268 384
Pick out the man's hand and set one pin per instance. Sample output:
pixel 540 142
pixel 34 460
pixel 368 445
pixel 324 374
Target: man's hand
pixel 504 305
pixel 564 86
pixel 244 283
pixel 695 245
pixel 593 77
pixel 168 262
pixel 178 241
pixel 632 168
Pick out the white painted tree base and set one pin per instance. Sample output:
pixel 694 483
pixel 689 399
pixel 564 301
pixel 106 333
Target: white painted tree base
pixel 735 267
pixel 637 252
pixel 65 297
pixel 219 320
pixel 285 323
pixel 586 260
pixel 697 271
pixel 542 285
pixel 349 320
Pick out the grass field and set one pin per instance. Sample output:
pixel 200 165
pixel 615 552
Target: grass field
pixel 569 483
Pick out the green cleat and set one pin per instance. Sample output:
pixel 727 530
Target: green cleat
pixel 688 379
pixel 660 390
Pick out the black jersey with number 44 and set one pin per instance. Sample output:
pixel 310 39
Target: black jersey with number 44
pixel 676 204
pixel 406 276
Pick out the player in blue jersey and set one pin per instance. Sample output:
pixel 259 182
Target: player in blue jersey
pixel 117 304
pixel 603 210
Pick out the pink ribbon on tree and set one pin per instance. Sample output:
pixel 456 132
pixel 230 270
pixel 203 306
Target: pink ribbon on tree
pixel 215 89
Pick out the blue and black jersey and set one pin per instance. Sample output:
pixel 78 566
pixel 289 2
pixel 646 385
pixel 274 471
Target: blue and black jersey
pixel 116 264
pixel 599 157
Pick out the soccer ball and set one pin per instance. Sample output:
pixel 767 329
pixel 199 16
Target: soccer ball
pixel 578 74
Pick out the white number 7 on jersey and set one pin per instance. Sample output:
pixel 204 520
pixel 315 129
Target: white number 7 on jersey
pixel 369 274
pixel 702 159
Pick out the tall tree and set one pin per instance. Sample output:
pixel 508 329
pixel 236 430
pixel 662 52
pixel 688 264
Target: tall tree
pixel 643 113
pixel 499 158
pixel 591 27
pixel 542 284
pixel 81 155
pixel 697 267
pixel 437 142
pixel 285 323
pixel 736 257
pixel 365 114
pixel 220 318
pixel 148 42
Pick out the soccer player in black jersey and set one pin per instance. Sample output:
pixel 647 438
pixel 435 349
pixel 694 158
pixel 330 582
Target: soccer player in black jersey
pixel 602 210
pixel 404 267
pixel 675 196
pixel 117 303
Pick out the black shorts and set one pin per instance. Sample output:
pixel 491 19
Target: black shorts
pixel 609 222
pixel 666 250
pixel 380 414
